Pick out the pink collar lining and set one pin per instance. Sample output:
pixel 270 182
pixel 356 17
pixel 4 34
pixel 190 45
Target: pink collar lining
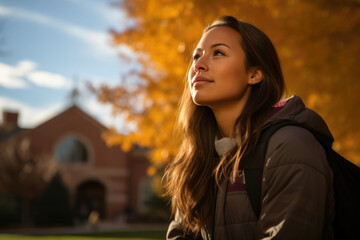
pixel 282 103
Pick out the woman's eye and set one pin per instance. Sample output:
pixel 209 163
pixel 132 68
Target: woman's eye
pixel 218 53
pixel 196 57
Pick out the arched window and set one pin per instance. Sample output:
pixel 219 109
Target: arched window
pixel 71 150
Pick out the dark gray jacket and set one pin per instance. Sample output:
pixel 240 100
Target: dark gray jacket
pixel 297 192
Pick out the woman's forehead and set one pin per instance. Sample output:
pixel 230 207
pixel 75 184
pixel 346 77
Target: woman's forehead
pixel 220 34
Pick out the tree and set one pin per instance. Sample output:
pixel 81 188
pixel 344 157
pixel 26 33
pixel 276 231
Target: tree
pixel 10 210
pixel 23 174
pixel 317 42
pixel 53 206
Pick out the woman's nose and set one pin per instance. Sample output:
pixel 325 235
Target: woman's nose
pixel 200 65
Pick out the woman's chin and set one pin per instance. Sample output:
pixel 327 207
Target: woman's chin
pixel 202 101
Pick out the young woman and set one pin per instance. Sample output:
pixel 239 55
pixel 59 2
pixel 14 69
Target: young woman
pixel 235 89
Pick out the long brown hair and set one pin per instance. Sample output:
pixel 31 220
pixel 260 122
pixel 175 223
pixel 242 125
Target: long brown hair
pixel 190 177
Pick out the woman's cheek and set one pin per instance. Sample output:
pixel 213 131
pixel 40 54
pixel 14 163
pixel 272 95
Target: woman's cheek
pixel 191 74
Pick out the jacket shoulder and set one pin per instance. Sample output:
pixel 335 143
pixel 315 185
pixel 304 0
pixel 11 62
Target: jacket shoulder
pixel 296 145
pixel 296 186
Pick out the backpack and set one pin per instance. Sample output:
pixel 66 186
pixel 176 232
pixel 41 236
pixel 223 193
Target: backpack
pixel 346 183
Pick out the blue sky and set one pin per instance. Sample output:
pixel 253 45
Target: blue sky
pixel 50 46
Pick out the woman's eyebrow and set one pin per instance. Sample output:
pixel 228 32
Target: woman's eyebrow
pixel 219 44
pixel 212 46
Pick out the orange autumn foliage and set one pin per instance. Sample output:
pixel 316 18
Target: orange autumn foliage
pixel 317 42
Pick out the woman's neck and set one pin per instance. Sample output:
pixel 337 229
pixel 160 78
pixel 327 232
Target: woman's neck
pixel 226 115
pixel 225 123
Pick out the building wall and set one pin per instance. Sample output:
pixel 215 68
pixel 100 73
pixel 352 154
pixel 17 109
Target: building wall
pixel 119 172
pixel 138 168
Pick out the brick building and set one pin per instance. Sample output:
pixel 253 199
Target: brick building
pixel 98 177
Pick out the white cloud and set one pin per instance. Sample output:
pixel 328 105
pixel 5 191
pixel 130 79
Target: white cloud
pixel 46 79
pixel 4 11
pixel 30 117
pixel 14 76
pixel 98 41
pixel 10 77
pixel 26 15
pixel 25 67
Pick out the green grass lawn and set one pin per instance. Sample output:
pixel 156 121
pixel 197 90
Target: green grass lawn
pixel 125 235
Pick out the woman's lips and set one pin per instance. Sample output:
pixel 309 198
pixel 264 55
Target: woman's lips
pixel 200 81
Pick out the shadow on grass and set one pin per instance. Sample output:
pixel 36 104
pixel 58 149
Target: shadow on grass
pixel 128 234
pixel 122 234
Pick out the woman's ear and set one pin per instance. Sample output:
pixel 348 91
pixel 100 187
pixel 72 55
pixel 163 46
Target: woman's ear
pixel 255 76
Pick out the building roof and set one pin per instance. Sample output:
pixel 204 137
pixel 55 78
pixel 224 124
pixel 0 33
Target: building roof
pixel 75 109
pixel 8 130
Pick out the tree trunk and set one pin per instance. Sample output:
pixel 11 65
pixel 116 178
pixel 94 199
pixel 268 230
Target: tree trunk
pixel 26 212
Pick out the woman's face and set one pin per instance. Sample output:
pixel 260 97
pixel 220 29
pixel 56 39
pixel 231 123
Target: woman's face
pixel 218 75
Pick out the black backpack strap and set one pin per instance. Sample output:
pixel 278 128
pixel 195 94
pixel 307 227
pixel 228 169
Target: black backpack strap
pixel 253 164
